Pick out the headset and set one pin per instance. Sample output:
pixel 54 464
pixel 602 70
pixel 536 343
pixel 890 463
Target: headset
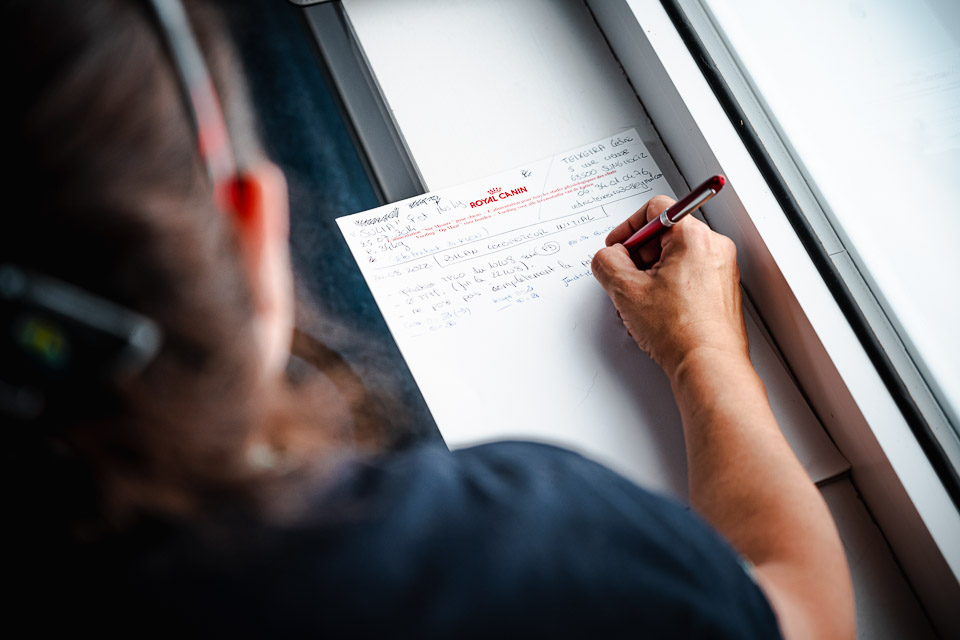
pixel 58 342
pixel 61 346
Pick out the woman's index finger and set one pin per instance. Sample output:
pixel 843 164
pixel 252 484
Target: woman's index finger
pixel 650 210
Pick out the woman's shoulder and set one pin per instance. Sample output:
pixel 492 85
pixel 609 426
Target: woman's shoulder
pixel 512 536
pixel 519 535
pixel 514 484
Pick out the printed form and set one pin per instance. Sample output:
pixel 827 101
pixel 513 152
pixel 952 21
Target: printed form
pixel 487 290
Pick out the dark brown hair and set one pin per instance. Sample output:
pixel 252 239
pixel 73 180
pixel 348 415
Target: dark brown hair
pixel 108 193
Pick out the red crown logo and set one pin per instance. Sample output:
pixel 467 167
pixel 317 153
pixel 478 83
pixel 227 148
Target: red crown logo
pixel 494 190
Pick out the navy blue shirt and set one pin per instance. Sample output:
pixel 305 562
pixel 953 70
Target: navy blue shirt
pixel 507 539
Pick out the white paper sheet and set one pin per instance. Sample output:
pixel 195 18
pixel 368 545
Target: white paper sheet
pixel 488 292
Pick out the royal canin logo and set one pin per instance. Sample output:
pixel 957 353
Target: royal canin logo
pixel 496 193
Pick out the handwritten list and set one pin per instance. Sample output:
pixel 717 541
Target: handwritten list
pixel 439 261
pixel 487 290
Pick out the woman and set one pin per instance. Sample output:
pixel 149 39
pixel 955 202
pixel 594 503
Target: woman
pixel 201 488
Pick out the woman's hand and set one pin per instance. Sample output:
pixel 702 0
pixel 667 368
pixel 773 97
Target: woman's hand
pixel 688 300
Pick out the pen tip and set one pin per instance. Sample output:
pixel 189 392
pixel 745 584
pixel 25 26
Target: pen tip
pixel 717 181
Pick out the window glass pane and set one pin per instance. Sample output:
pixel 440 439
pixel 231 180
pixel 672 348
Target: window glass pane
pixel 866 94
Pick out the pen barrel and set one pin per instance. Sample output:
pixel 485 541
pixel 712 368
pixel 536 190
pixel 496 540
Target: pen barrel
pixel 645 234
pixel 675 212
pixel 709 186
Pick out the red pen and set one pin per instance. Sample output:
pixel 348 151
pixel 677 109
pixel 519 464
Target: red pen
pixel 675 212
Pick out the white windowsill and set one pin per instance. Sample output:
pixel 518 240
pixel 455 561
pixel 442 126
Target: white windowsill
pixel 889 468
pixel 474 88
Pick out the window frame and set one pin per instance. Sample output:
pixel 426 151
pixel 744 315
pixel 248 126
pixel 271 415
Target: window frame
pixel 836 371
pixel 851 285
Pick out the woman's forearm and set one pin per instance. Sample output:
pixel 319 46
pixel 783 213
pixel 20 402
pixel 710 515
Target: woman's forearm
pixel 745 480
